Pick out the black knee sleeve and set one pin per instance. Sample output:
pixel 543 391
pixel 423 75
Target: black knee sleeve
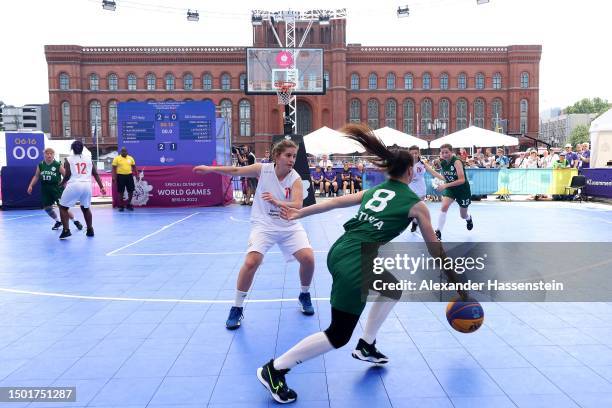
pixel 341 327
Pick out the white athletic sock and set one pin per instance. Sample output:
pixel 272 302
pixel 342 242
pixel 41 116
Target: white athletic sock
pixel 305 289
pixel 239 299
pixel 377 316
pixel 415 221
pixel 467 217
pixel 441 220
pixel 310 347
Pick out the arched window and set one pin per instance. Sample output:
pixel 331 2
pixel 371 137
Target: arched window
pixel 426 81
pixel 373 81
pixel 355 111
pixel 479 112
pixel 94 82
pixel 462 81
pixel 391 113
pixel 462 120
pixel 408 116
pixel 496 113
pixel 113 82
pixel 64 82
pixel 66 130
pixel 444 114
pixel 245 117
pixel 226 108
pixel 242 79
pixel 524 80
pixel 169 82
pixel 524 115
pixel 95 118
pixel 354 81
pixel 444 81
pixel 390 80
pixel 112 118
pixel 426 115
pixel 226 84
pixel 373 114
pixel 151 82
pixel 188 82
pixel 150 100
pixel 131 82
pixel 497 81
pixel 480 81
pixel 207 82
pixel 408 82
pixel 326 78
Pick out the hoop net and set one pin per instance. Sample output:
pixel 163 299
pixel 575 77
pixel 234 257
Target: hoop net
pixel 284 90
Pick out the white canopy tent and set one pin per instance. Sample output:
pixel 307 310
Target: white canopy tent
pixel 475 136
pixel 601 140
pixel 326 141
pixel 391 137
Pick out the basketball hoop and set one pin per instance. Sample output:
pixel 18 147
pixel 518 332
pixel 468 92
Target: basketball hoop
pixel 284 90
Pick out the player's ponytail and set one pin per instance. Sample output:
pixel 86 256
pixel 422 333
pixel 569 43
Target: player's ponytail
pixel 394 161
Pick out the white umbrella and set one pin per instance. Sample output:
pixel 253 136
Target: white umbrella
pixel 475 136
pixel 326 140
pixel 391 137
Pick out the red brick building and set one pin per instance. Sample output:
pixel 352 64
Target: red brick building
pixel 407 88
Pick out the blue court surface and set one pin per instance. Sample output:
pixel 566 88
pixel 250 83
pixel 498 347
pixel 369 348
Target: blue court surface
pixel 135 317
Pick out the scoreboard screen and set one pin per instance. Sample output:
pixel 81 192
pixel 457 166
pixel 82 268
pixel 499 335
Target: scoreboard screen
pixel 168 133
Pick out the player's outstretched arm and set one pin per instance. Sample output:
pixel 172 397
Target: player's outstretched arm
pixel 337 202
pixel 34 180
pixel 253 170
pixel 94 173
pixel 434 246
pixel 433 172
pixel 67 173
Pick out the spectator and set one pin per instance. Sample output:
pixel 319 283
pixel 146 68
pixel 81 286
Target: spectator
pixel 531 162
pixel 463 154
pixel 519 162
pixel 266 158
pixel 124 170
pixel 318 182
pixel 501 161
pixel 358 177
pixel 347 179
pixel 547 160
pixel 471 163
pixel 562 163
pixel 570 156
pixel 585 157
pixel 331 185
pixel 325 162
pixel 489 159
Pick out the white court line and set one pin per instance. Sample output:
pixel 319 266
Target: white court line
pixel 22 216
pixel 151 234
pixel 127 299
pixel 237 220
pixel 203 253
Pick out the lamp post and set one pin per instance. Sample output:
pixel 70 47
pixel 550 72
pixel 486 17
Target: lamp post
pixel 436 126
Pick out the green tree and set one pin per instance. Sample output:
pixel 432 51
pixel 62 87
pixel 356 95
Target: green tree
pixel 580 134
pixel 595 105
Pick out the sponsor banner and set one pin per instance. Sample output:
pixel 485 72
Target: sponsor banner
pixel 107 182
pixel 598 182
pixel 177 186
pixel 488 271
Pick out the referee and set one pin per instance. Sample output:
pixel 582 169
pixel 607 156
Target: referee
pixel 124 167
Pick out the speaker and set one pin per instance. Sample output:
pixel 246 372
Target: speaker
pixel 301 165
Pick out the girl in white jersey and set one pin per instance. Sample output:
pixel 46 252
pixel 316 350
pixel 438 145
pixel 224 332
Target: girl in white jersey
pixel 418 179
pixel 79 169
pixel 278 183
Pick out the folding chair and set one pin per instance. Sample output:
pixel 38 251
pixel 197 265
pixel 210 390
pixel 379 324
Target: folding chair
pixel 575 187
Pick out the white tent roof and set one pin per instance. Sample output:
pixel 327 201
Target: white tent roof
pixel 475 136
pixel 326 140
pixel 391 137
pixel 602 123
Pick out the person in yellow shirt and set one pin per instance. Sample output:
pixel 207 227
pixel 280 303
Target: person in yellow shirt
pixel 124 168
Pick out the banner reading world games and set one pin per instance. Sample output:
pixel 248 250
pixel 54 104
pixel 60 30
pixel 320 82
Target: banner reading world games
pixel 168 133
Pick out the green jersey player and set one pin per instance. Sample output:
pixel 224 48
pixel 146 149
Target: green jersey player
pixel 455 187
pixel 50 173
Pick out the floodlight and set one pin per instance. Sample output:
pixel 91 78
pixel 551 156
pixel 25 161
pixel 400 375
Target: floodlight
pixel 403 11
pixel 109 5
pixel 193 15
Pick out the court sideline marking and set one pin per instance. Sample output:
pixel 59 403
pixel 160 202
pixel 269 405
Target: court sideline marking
pixel 165 227
pixel 127 299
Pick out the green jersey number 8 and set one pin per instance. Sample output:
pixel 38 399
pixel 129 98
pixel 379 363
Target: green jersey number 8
pixel 379 200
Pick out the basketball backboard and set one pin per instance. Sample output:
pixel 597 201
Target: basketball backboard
pixel 268 66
